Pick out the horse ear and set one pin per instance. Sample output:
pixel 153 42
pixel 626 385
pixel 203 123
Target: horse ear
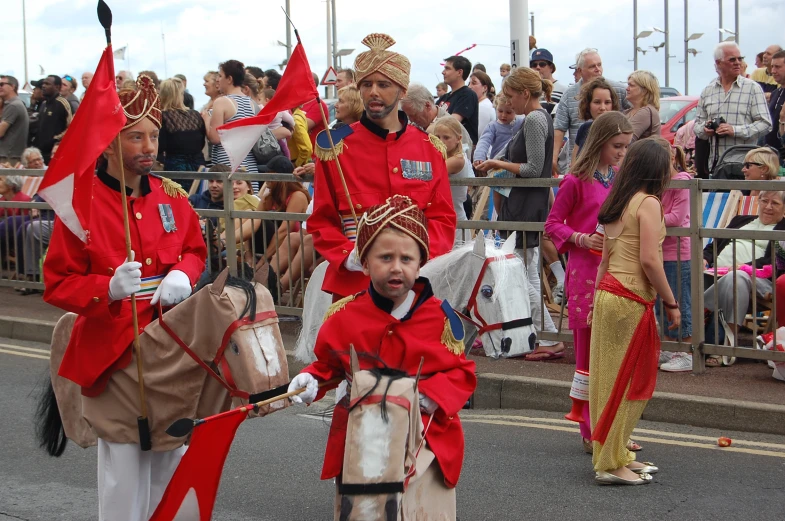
pixel 509 244
pixel 217 287
pixel 479 245
pixel 355 361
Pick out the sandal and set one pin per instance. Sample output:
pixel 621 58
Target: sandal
pixel 588 446
pixel 713 361
pixel 633 446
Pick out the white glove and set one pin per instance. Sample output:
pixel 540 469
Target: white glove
pixel 311 388
pixel 352 262
pixel 127 279
pixel 175 287
pixel 427 405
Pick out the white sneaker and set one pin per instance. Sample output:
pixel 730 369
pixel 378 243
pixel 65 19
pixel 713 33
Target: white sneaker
pixel 558 294
pixel 679 363
pixel 665 357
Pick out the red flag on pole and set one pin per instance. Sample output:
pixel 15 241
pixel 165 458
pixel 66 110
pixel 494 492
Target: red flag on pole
pixel 201 468
pixel 295 88
pixel 68 183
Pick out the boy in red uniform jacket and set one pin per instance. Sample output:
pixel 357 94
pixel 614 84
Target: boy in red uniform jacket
pixel 399 321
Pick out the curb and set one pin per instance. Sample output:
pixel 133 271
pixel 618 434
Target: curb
pixel 27 329
pixel 496 391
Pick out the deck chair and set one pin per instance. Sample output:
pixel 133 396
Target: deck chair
pixel 748 205
pixel 718 209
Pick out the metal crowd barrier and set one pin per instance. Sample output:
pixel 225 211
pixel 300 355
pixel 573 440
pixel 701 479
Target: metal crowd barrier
pixel 245 256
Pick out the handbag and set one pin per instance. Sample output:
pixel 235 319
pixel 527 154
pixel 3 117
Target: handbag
pixel 266 147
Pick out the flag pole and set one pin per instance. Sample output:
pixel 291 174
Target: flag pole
pixel 329 136
pixel 145 442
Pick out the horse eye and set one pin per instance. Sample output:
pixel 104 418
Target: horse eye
pixel 235 348
pixel 486 291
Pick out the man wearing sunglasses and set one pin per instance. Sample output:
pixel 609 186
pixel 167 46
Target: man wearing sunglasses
pixel 542 62
pixel 13 122
pixel 68 90
pixel 732 109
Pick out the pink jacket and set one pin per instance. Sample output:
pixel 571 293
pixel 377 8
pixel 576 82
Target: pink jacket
pixel 676 206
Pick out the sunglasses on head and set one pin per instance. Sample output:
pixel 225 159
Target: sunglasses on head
pixel 539 64
pixel 69 78
pixel 748 164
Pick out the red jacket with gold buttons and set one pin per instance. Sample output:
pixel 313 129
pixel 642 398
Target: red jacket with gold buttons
pixel 376 165
pixel 447 378
pixel 77 275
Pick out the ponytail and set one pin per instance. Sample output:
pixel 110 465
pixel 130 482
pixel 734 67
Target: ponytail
pixel 547 89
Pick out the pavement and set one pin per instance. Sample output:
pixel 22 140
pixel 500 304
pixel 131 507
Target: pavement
pixel 519 464
pixel 743 396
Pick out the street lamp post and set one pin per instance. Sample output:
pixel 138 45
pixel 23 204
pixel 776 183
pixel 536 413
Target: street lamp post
pixel 24 37
pixel 288 30
pixel 519 33
pixel 341 53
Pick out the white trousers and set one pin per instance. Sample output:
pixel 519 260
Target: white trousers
pixel 532 259
pixel 131 482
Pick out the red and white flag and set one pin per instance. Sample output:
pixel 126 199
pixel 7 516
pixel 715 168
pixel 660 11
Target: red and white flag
pixel 295 88
pixel 68 182
pixel 194 484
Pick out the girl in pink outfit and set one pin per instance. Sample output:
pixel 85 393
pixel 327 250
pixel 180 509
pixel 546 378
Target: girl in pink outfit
pixel 676 259
pixel 572 223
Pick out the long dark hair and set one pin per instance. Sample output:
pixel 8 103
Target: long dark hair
pixel 646 168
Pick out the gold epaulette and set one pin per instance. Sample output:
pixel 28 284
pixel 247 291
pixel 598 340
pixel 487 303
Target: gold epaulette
pixel 327 154
pixel 438 145
pixel 172 188
pixel 337 306
pixel 453 345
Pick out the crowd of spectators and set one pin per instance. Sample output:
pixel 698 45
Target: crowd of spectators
pixel 527 124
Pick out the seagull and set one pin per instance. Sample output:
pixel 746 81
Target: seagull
pixel 657 47
pixel 642 51
pixel 694 52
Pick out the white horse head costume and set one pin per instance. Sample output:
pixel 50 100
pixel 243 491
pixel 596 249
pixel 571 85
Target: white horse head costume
pixel 486 284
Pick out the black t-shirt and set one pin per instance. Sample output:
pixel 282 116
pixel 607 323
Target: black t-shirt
pixel 775 107
pixel 464 102
pixel 583 133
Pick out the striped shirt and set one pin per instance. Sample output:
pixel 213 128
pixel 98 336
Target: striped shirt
pixel 743 107
pixel 245 109
pixel 568 119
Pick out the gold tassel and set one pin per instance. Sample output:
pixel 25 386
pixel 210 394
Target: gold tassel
pixel 337 306
pixel 454 345
pixel 326 154
pixel 172 188
pixel 438 145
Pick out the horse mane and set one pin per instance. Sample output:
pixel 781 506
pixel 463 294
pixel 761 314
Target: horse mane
pixel 250 295
pixel 244 283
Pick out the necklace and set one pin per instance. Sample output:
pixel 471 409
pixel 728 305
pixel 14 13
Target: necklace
pixel 605 180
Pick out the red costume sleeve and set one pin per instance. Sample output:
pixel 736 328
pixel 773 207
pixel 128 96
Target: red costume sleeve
pixel 328 364
pixel 69 283
pixel 324 224
pixel 451 389
pixel 440 211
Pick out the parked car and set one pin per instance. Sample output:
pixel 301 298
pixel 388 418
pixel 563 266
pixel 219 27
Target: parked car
pixel 669 92
pixel 676 111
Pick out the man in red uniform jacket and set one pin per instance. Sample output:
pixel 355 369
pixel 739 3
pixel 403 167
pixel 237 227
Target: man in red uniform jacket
pixel 95 281
pixel 380 155
pixel 398 321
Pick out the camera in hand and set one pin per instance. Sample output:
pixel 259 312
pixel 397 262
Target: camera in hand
pixel 715 123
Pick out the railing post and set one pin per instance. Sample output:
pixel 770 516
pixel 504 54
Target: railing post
pixel 696 275
pixel 231 240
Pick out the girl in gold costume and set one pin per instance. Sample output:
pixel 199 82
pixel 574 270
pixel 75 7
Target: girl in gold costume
pixel 625 346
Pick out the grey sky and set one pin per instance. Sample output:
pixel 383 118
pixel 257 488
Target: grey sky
pixel 65 38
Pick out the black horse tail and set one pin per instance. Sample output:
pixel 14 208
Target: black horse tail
pixel 49 425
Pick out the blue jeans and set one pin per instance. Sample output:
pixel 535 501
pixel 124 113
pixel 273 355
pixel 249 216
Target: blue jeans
pixel 673 274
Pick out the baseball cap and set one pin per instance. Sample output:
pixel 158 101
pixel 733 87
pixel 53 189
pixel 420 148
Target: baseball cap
pixel 541 54
pixel 37 83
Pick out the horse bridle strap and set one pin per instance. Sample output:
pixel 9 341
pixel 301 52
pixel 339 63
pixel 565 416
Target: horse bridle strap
pixel 219 359
pixel 360 489
pixel 481 324
pixel 378 398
